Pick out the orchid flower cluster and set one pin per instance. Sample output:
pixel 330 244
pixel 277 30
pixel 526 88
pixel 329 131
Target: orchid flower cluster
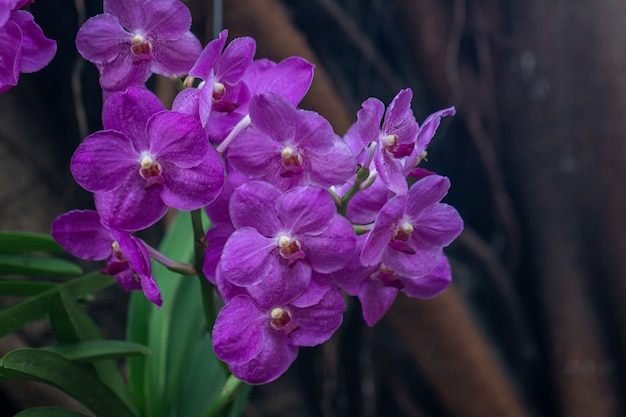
pixel 298 213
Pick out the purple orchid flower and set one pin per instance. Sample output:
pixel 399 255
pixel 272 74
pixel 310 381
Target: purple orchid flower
pixel 411 229
pixel 290 79
pixel 290 147
pixel 280 238
pixel 81 233
pixel 23 46
pixel 259 344
pixel 377 286
pixel 221 89
pixel 135 38
pixel 146 160
pixel 399 144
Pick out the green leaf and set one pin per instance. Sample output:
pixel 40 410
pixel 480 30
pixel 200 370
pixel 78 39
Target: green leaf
pixel 96 350
pixel 37 265
pixel 75 379
pixel 49 412
pixel 19 315
pixel 20 242
pixel 15 288
pixel 71 324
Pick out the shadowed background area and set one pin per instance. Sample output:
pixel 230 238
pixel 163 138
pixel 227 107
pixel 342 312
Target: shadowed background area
pixel 535 322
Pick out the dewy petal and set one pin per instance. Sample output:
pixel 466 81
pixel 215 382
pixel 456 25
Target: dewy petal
pixel 178 139
pixel 368 120
pixel 332 249
pixel 252 205
pixel 248 257
pixel 101 39
pixel 37 50
pixel 104 160
pixel 318 322
pixel 195 187
pixel 10 55
pixel 432 284
pixel 382 232
pixel 235 60
pixel 129 13
pixel 128 112
pixel 306 210
pixel 274 115
pixel 426 192
pixel 290 78
pixel 175 57
pixel 272 361
pixel 131 207
pixel 166 19
pixel 238 334
pixel 80 233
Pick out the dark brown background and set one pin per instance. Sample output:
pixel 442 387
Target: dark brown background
pixel 535 323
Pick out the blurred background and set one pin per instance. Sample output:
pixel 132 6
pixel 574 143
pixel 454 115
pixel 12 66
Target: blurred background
pixel 535 321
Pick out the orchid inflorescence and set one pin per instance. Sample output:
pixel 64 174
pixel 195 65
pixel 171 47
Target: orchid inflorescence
pixel 297 212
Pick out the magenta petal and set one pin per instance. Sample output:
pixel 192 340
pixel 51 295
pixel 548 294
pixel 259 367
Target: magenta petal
pixel 10 55
pixel 432 284
pixel 168 18
pixel 176 57
pixel 252 205
pixel 318 322
pixel 437 225
pixel 274 115
pixel 382 232
pixel 238 334
pixel 37 50
pixel 317 289
pixel 290 78
pixel 306 210
pixel 272 361
pixel 123 72
pixel 178 139
pixel 207 61
pixel 254 154
pixel 131 207
pixel 186 102
pixel 426 192
pixel 429 128
pixel 365 205
pixel 335 166
pixel 101 38
pixel 248 257
pixel 282 284
pixel 128 112
pixel 331 250
pixel 376 299
pixel 391 172
pixel 369 118
pixel 129 13
pixel 420 263
pixel 80 233
pixel 104 160
pixel 235 60
pixel 195 187
pixel 399 119
pixel 216 237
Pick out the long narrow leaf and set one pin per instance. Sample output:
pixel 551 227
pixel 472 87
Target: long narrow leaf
pixel 20 242
pixel 37 265
pixel 78 381
pixel 71 324
pixel 96 350
pixel 49 412
pixel 14 288
pixel 17 316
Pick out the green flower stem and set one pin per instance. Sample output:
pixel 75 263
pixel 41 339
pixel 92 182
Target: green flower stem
pixel 220 407
pixel 361 176
pixel 208 292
